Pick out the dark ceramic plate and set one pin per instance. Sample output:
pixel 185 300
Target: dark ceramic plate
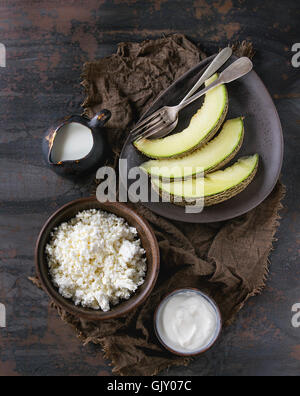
pixel 263 135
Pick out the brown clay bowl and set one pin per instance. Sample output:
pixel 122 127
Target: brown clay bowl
pixel 148 240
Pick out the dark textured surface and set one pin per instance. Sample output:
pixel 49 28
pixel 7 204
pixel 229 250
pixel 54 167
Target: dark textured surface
pixel 47 42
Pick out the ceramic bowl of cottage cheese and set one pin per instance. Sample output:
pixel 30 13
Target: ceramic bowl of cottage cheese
pixel 97 260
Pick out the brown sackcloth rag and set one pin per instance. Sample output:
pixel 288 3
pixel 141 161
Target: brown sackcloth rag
pixel 227 260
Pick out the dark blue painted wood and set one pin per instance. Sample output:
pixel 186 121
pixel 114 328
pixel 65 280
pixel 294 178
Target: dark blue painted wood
pixel 47 43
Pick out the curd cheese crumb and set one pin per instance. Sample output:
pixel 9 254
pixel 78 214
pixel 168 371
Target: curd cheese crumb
pixel 96 260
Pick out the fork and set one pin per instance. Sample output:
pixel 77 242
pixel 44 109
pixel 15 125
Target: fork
pixel 214 66
pixel 164 120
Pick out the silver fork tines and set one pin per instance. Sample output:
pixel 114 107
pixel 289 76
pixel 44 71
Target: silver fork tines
pixel 146 120
pixel 163 121
pixel 142 133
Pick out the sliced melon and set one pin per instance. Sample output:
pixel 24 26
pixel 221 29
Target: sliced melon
pixel 216 187
pixel 209 158
pixel 203 126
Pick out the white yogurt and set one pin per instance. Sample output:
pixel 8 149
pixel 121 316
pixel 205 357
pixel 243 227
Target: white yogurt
pixel 73 142
pixel 187 322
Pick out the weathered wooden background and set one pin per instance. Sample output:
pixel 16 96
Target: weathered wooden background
pixel 47 42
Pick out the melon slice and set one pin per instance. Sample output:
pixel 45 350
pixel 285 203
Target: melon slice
pixel 203 126
pixel 214 155
pixel 217 187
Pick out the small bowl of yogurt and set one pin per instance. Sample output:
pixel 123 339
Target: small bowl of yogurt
pixel 187 322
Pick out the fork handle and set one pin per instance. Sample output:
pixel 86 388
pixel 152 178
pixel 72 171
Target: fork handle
pixel 215 65
pixel 236 70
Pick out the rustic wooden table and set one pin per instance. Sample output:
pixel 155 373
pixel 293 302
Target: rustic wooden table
pixel 47 42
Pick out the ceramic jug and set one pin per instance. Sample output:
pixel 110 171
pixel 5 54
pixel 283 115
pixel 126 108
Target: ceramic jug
pixel 96 156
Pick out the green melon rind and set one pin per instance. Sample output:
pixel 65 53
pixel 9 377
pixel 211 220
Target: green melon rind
pixel 215 198
pixel 203 141
pixel 232 192
pixel 213 168
pixel 226 160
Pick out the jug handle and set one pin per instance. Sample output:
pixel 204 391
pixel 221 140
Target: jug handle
pixel 100 119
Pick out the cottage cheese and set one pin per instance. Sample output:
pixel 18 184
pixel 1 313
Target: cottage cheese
pixel 96 259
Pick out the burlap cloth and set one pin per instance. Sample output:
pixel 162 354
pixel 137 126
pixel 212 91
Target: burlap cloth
pixel 228 260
